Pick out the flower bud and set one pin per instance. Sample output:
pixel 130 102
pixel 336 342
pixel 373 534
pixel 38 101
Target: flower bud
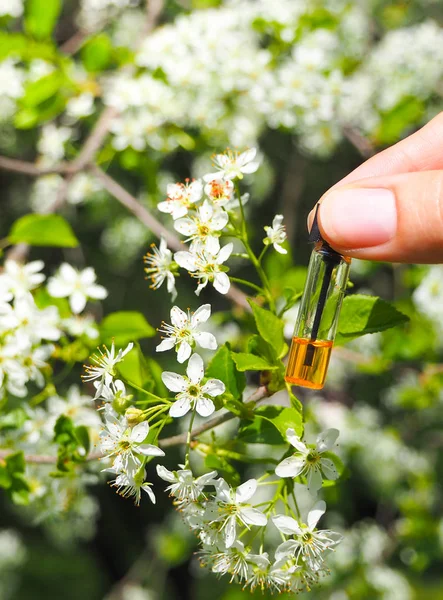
pixel 134 416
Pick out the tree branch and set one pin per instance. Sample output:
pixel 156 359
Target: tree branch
pixel 142 213
pixel 175 440
pixel 364 146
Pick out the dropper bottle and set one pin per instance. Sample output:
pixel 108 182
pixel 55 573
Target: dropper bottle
pixel 317 319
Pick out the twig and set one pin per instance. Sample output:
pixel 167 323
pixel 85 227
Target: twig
pixel 28 168
pixel 175 440
pixel 154 9
pixel 94 141
pixel 359 141
pixel 142 213
pixel 137 209
pixel 74 43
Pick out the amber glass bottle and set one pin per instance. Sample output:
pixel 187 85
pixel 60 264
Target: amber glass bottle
pixel 317 319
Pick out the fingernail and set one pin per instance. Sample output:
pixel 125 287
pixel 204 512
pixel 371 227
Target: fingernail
pixel 359 217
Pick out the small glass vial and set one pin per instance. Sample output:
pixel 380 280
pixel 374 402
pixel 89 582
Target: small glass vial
pixel 317 319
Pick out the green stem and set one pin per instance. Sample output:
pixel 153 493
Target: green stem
pixel 248 283
pixel 262 253
pixel 255 261
pixel 188 439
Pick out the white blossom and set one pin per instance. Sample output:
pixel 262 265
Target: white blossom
pixel 230 507
pixel 308 461
pixel 181 198
pixel 20 278
pixel 132 484
pixel 103 368
pixel 183 484
pixel 52 141
pixel 204 227
pixel 183 332
pixel 80 106
pixel 191 394
pixel 232 165
pixel 307 542
pixel 159 267
pixel 276 234
pixel 220 191
pixel 207 265
pixel 77 285
pixel 125 445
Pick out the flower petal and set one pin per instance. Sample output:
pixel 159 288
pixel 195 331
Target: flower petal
pixel 184 352
pixel 327 439
pixel 287 525
pixel 295 440
pixel 230 531
pixel 290 467
pixel 206 340
pixel 315 514
pixel 329 469
pixel 205 407
pixel 178 317
pixel 314 481
pixel 150 450
pixel 186 260
pixel 201 315
pixel 180 407
pixel 222 283
pixel 166 474
pixel 139 432
pixel 245 491
pixel 214 387
pixel 253 516
pixel 166 344
pixel 195 369
pixel 174 382
pixel 77 302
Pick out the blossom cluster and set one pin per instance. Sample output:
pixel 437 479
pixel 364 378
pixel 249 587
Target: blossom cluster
pixel 204 210
pixel 228 523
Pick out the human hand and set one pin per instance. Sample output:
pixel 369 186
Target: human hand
pixel 391 207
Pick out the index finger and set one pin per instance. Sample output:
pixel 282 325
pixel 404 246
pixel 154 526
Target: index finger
pixel 421 151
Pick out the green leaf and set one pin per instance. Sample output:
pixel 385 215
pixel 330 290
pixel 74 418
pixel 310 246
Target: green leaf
pixel 43 230
pixel 223 367
pixel 15 463
pixel 41 90
pixel 270 424
pixel 133 368
pixel 282 417
pixel 19 45
pixel 14 419
pixel 41 17
pixel 82 435
pixel 366 314
pixel 125 327
pixel 251 362
pixel 269 327
pixel 97 53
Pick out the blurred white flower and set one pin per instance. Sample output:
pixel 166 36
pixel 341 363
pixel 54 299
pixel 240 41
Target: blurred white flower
pixel 14 8
pixel 52 142
pixel 191 394
pixel 80 106
pixel 20 278
pixel 76 285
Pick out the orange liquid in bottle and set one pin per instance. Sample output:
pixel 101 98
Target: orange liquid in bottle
pixel 313 373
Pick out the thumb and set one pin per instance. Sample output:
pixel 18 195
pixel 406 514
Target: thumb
pixel 396 218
